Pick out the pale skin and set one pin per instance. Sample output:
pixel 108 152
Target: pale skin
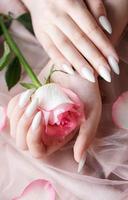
pixel 26 138
pixel 73 36
pixel 88 131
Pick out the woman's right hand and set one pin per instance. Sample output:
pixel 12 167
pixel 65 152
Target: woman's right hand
pixel 72 36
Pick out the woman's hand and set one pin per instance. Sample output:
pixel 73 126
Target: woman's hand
pixel 90 95
pixel 72 36
pixel 21 125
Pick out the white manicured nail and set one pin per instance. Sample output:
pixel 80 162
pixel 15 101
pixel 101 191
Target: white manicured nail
pixel 36 121
pixel 105 24
pixel 114 64
pixel 25 97
pixel 82 162
pixel 104 72
pixel 87 73
pixel 68 69
pixel 32 107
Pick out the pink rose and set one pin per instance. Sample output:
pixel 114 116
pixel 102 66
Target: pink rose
pixel 62 111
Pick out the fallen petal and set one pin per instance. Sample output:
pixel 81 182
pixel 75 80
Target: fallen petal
pixel 38 190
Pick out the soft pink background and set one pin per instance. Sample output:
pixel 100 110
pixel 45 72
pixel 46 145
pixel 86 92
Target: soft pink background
pixel 105 176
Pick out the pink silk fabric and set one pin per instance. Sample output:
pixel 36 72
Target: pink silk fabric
pixel 105 175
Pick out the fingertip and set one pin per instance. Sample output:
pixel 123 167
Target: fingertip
pixel 105 23
pixel 76 155
pixel 82 142
pixel 78 150
pixel 82 161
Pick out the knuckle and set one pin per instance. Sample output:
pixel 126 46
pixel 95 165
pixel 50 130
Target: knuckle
pixel 100 7
pixel 106 45
pixel 68 2
pixel 99 61
pixel 63 41
pixel 55 15
pixel 51 13
pixel 93 28
pixel 79 37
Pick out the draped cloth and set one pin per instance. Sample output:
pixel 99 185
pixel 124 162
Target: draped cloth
pixel 105 175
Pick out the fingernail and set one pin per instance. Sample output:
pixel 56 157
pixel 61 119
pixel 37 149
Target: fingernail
pixel 32 107
pixel 36 121
pixel 114 64
pixel 68 69
pixel 105 24
pixel 87 73
pixel 24 98
pixel 82 162
pixel 104 72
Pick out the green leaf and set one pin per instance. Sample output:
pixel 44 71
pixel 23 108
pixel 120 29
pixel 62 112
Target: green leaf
pixel 13 73
pixel 28 85
pixel 4 60
pixel 1 32
pixel 25 19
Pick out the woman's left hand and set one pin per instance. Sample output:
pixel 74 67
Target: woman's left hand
pixel 20 124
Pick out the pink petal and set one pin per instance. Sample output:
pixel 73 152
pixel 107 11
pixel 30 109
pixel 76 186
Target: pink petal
pixel 120 111
pixel 3 118
pixel 46 115
pixel 38 190
pixel 50 96
pixel 59 110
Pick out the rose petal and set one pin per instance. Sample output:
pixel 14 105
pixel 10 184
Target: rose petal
pixel 46 117
pixel 120 111
pixel 59 110
pixel 50 96
pixel 38 190
pixel 3 118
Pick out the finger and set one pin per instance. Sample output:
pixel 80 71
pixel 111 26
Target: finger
pixel 82 16
pixel 11 105
pixel 34 136
pixel 98 10
pixel 86 134
pixel 85 46
pixel 24 124
pixel 54 53
pixel 16 108
pixel 70 53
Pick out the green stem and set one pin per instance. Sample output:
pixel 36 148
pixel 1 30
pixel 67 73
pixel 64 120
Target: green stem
pixel 13 46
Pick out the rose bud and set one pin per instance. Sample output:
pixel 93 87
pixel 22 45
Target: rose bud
pixel 62 111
